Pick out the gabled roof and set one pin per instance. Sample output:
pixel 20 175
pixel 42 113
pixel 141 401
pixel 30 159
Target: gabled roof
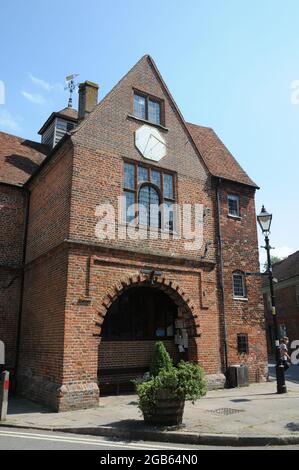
pixel 217 157
pixel 19 158
pixel 287 268
pixel 70 114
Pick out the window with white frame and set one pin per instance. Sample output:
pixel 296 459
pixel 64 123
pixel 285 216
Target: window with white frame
pixel 233 205
pixel 239 289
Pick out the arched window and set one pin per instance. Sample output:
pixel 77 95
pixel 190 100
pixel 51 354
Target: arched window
pixel 140 313
pixel 149 206
pixel 147 185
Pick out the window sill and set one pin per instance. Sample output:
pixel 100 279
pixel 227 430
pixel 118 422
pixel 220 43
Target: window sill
pixel 241 299
pixel 235 217
pixel 156 338
pixel 146 228
pixel 145 121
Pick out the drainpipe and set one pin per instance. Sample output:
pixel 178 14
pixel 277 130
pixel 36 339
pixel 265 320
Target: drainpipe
pixel 19 325
pixel 221 274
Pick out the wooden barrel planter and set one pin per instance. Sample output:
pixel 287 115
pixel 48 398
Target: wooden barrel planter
pixel 168 410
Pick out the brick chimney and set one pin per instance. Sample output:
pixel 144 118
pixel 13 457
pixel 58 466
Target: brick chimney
pixel 88 98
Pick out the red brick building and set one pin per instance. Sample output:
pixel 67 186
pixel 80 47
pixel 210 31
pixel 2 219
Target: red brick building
pixel 80 313
pixel 287 300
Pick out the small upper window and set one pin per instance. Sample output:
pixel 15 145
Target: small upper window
pixel 154 111
pixel 233 205
pixel 147 108
pixel 239 285
pixel 139 106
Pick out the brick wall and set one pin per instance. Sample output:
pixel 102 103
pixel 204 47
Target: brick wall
pixel 49 209
pixel 96 279
pixel 42 335
pixel 130 354
pixel 12 210
pixel 12 213
pixel 40 371
pixel 240 252
pixel 107 137
pixel 69 285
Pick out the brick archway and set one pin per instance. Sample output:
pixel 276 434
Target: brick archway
pixel 123 360
pixel 185 307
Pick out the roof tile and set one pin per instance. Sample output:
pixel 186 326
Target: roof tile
pixel 287 268
pixel 217 157
pixel 19 158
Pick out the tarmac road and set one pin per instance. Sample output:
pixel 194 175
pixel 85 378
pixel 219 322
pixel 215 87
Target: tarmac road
pixel 19 439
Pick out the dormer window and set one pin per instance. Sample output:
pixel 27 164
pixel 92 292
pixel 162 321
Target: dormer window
pixel 147 108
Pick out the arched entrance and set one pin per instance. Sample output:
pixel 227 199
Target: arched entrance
pixel 142 314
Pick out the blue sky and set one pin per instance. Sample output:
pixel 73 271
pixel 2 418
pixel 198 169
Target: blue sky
pixel 229 64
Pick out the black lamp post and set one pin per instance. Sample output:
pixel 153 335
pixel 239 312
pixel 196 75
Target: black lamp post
pixel 264 220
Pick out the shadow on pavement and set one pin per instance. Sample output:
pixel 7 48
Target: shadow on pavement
pixel 17 406
pixel 291 375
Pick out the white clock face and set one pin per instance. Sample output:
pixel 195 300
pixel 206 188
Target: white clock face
pixel 150 143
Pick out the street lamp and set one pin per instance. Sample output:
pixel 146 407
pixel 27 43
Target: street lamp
pixel 264 220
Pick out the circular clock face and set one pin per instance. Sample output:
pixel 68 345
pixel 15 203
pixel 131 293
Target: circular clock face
pixel 150 143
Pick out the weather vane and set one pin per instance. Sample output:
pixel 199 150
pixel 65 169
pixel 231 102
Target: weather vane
pixel 71 86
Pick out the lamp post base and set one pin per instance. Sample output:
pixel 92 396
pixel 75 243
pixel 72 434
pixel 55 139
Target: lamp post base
pixel 281 385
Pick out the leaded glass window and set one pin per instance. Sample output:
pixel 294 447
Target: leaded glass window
pixel 139 106
pixel 154 111
pixel 154 193
pixel 129 176
pixel 239 285
pixel 148 205
pixel 147 108
pixel 168 186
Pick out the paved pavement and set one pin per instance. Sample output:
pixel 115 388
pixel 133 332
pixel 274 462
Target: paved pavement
pixel 254 412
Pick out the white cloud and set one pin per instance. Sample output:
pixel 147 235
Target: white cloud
pixel 8 121
pixel 34 97
pixel 44 84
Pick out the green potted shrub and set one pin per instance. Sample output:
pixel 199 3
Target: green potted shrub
pixel 162 398
pixel 161 360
